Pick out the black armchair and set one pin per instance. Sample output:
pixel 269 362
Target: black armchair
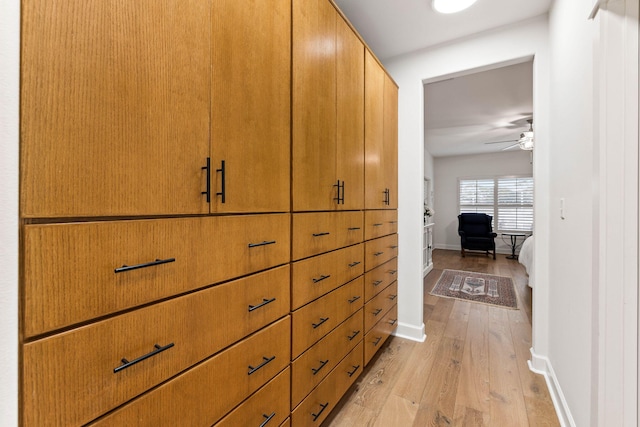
pixel 476 233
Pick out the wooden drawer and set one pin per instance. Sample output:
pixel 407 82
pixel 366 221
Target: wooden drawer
pixel 190 328
pixel 314 277
pixel 71 271
pixel 379 251
pixel 319 232
pixel 379 278
pixel 374 339
pixel 321 401
pixel 375 309
pixel 380 223
pixel 268 406
pixel 316 319
pixel 314 364
pixel 210 390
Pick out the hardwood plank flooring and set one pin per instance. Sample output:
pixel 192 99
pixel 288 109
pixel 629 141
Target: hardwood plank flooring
pixel 471 371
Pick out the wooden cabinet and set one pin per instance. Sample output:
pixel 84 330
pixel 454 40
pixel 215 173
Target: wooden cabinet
pixel 318 232
pixel 328 111
pixel 381 137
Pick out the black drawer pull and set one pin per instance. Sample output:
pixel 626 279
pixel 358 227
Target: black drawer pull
pixel 268 418
pixel 392 297
pixel 354 299
pixel 321 278
pixel 353 228
pixel 145 265
pixel 340 199
pixel 322 320
pixel 378 253
pixel 376 312
pixel 126 364
pixel 223 187
pixel 394 247
pixel 355 369
pixel 324 233
pixel 355 334
pixel 265 243
pixel 377 341
pixel 353 264
pixel 393 222
pixel 316 416
pixel 265 360
pixel 322 363
pixel 377 224
pixel 208 169
pixel 262 304
pixel 393 322
pixel 393 271
pixel 377 282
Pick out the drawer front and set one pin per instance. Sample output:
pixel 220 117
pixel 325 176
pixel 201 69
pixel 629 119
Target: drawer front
pixel 379 251
pixel 316 319
pixel 175 333
pixel 210 390
pixel 314 277
pixel 319 232
pixel 269 406
pixel 374 339
pixel 74 272
pixel 380 223
pixel 314 408
pixel 379 278
pixel 375 309
pixel 314 364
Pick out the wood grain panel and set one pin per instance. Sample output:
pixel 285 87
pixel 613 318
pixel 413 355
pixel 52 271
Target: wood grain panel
pixel 198 325
pixel 378 223
pixel 69 269
pixel 315 233
pixel 373 133
pixel 250 114
pixel 314 277
pixel 114 107
pixel 380 277
pixel 390 129
pixel 203 394
pixel 335 307
pixel 378 251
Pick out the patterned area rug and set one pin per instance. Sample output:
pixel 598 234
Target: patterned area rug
pixel 476 287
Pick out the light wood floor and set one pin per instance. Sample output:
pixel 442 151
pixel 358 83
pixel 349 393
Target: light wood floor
pixel 471 371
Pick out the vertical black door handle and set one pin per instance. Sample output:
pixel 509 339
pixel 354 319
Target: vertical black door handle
pixel 223 189
pixel 207 168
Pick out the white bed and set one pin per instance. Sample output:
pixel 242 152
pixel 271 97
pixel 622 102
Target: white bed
pixel 526 257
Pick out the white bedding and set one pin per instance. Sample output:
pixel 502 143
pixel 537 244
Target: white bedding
pixel 526 257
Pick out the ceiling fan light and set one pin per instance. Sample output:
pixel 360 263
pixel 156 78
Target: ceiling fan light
pixel 451 6
pixel 526 144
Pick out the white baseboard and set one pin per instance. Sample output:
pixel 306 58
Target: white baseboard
pixel 410 332
pixel 457 248
pixel 542 365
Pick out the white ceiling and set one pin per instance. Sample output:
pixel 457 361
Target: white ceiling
pixel 462 113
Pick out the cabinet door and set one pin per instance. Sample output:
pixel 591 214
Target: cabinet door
pixel 114 107
pixel 250 125
pixel 391 140
pixel 350 117
pixel 375 195
pixel 314 105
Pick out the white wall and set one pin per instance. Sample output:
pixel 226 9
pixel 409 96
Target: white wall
pixel 9 109
pixel 509 45
pixel 447 172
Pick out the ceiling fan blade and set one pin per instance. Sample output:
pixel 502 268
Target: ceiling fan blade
pixel 501 142
pixel 511 146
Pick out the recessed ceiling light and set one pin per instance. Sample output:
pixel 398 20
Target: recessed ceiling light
pixel 451 6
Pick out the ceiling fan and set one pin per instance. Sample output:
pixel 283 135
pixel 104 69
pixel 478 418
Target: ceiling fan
pixel 525 142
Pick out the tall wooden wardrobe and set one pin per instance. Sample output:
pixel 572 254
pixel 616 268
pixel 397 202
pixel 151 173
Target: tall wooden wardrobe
pixel 208 212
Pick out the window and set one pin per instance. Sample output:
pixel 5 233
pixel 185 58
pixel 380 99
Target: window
pixel 509 200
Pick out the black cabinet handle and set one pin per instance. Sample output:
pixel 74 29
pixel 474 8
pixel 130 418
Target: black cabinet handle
pixel 377 282
pixel 376 312
pixel 393 322
pixel 353 228
pixel 378 253
pixel 355 369
pixel 265 243
pixel 322 320
pixel 208 169
pixel 316 416
pixel 393 271
pixel 126 364
pixel 223 188
pixel 145 265
pixel 377 341
pixel 321 278
pixel 268 418
pixel 340 199
pixel 354 299
pixel 377 224
pixel 262 304
pixel 322 363
pixel 393 222
pixel 325 233
pixel 353 264
pixel 352 336
pixel 394 247
pixel 392 297
pixel 265 360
